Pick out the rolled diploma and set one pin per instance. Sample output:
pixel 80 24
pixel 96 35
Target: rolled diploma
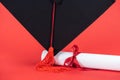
pixel 90 60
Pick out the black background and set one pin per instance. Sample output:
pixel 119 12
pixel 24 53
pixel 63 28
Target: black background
pixel 72 17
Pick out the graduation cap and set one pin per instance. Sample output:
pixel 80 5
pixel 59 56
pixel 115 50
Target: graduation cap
pixel 56 22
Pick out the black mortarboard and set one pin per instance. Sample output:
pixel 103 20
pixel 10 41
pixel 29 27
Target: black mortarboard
pixel 71 18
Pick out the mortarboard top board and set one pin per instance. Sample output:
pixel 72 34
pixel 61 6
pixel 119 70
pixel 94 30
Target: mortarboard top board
pixel 71 18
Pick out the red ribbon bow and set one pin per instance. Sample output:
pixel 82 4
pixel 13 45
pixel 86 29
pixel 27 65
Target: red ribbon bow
pixel 72 61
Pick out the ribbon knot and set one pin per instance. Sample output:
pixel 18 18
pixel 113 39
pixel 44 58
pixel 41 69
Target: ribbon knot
pixel 72 61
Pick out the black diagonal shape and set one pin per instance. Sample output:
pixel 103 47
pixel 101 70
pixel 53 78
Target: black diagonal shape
pixel 72 17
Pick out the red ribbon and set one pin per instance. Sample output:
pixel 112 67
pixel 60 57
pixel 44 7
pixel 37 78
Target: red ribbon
pixel 72 61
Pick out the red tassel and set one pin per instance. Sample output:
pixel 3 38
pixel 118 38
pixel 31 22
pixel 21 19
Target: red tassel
pixel 47 64
pixel 49 59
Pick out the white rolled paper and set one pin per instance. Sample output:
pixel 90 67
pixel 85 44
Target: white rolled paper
pixel 90 60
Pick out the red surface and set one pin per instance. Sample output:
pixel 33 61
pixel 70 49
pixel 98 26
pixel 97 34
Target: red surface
pixel 19 51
